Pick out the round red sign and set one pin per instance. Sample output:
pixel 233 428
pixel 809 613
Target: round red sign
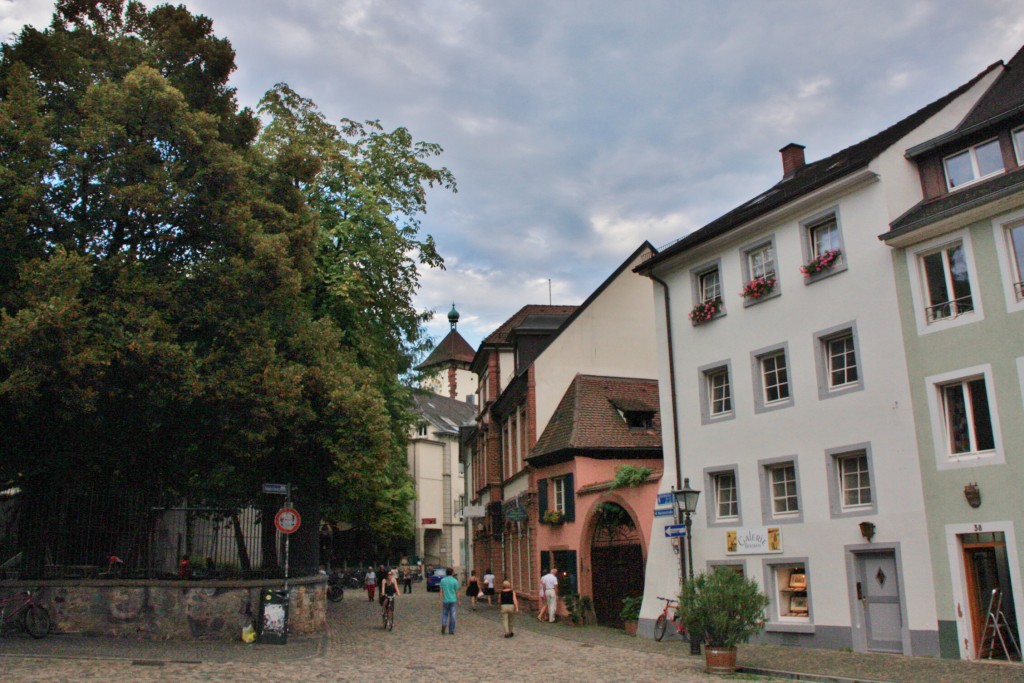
pixel 287 520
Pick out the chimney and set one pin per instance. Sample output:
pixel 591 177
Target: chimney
pixel 792 158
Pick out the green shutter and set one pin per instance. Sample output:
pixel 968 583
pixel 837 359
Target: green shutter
pixel 542 498
pixel 570 499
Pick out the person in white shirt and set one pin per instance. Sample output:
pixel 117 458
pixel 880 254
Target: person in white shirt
pixel 489 585
pixel 550 581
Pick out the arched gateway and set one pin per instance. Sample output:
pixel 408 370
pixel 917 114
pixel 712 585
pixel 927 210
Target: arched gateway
pixel 616 560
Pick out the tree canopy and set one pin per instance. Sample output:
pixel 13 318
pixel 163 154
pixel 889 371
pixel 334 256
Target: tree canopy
pixel 192 303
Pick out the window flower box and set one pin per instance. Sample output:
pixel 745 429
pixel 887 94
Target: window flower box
pixel 759 287
pixel 553 517
pixel 705 311
pixel 821 263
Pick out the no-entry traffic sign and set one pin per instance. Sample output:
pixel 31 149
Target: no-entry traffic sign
pixel 287 520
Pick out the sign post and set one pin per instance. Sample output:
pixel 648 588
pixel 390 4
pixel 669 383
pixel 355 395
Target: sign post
pixel 287 520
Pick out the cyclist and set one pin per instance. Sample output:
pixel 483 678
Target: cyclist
pixel 388 591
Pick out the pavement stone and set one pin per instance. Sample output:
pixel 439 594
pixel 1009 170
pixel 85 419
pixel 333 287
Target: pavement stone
pixel 356 648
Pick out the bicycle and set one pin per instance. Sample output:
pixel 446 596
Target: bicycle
pixel 388 612
pixel 335 590
pixel 661 625
pixel 20 611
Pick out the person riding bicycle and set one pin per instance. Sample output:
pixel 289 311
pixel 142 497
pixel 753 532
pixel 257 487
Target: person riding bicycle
pixel 388 590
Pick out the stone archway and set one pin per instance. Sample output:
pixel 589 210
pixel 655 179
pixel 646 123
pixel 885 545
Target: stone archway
pixel 616 560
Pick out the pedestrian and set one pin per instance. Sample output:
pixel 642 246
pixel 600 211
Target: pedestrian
pixel 489 585
pixel 370 581
pixel 407 579
pixel 473 589
pixel 541 602
pixel 448 600
pixel 550 581
pixel 509 607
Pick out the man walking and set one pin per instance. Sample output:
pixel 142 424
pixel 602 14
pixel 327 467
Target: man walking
pixel 448 599
pixel 550 582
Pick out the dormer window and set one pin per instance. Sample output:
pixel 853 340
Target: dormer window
pixel 1018 145
pixel 973 164
pixel 639 419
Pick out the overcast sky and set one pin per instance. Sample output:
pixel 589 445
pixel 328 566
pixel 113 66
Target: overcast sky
pixel 577 130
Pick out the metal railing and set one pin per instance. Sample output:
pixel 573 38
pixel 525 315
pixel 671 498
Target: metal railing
pixel 950 309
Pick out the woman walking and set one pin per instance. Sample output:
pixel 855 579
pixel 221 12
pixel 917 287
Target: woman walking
pixel 473 589
pixel 489 585
pixel 509 607
pixel 370 582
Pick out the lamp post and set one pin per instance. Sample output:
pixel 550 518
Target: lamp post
pixel 686 505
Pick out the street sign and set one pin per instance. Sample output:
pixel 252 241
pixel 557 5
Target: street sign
pixel 276 489
pixel 428 520
pixel 675 531
pixel 516 515
pixel 662 512
pixel 665 499
pixel 287 520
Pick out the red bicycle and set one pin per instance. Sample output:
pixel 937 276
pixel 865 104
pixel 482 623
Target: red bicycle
pixel 21 612
pixel 675 618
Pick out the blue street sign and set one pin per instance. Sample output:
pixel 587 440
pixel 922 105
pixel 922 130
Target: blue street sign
pixel 665 499
pixel 675 531
pixel 662 512
pixel 278 489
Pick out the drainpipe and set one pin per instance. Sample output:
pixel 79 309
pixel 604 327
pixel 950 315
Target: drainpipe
pixel 672 380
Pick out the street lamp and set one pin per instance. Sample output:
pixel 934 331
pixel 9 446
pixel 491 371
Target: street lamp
pixel 686 505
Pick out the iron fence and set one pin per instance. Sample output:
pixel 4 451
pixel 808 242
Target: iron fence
pixel 86 535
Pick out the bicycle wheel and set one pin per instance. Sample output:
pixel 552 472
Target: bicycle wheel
pixel 659 627
pixel 37 621
pixel 335 593
pixel 389 620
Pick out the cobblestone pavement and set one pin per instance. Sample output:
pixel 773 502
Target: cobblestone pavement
pixel 356 648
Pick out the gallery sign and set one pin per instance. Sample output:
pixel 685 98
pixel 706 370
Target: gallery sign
pixel 753 540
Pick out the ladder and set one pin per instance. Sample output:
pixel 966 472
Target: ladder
pixel 996 632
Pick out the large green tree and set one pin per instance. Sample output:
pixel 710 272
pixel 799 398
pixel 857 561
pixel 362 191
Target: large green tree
pixel 189 304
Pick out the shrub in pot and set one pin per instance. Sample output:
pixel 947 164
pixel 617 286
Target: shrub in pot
pixel 724 609
pixel 630 613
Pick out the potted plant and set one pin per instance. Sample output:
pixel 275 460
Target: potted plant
pixel 553 517
pixel 822 261
pixel 724 609
pixel 630 613
pixel 705 311
pixel 579 608
pixel 759 287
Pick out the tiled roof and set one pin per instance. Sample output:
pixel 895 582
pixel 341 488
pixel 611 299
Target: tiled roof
pixel 452 348
pixel 501 335
pixel 812 176
pixel 445 414
pixel 587 419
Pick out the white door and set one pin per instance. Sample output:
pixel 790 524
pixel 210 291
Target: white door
pixel 878 594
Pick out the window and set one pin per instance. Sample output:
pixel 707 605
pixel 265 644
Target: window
pixel 770 369
pixel 639 419
pixel 850 480
pixel 783 489
pixel 716 392
pixel 823 236
pixel 968 422
pixel 837 361
pixel 789 593
pixel 823 249
pixel 761 261
pixel 709 286
pixel 973 164
pixel 727 501
pixel 760 271
pixel 947 283
pixel 558 497
pixel 421 429
pixel 780 490
pixel 1015 242
pixel 561 498
pixel 1018 145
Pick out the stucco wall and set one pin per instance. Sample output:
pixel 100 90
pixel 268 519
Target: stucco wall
pixel 171 610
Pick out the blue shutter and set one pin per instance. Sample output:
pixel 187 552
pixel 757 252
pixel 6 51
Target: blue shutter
pixel 570 499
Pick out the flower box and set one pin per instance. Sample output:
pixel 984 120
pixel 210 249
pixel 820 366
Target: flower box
pixel 553 517
pixel 825 261
pixel 705 311
pixel 759 287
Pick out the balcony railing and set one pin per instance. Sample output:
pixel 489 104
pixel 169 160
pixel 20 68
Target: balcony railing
pixel 950 309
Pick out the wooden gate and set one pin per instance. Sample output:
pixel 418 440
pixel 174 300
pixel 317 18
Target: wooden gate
pixel 617 562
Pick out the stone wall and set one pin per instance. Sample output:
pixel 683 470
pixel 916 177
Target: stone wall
pixel 171 610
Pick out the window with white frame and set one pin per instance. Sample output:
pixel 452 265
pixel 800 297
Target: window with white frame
pixel 790 591
pixel 854 480
pixel 774 377
pixel 823 236
pixel 947 283
pixel 558 493
pixel 719 392
pixel 974 163
pixel 968 420
pixel 727 503
pixel 782 483
pixel 1018 144
pixel 761 261
pixel 1015 244
pixel 841 360
pixel 421 429
pixel 709 286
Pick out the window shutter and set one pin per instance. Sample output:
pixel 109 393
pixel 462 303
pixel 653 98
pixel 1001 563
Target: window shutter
pixel 570 499
pixel 542 498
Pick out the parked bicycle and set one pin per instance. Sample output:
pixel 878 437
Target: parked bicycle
pixel 675 618
pixel 21 612
pixel 388 612
pixel 335 590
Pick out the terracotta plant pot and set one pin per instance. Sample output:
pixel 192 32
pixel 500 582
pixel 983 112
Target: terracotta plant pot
pixel 630 627
pixel 720 660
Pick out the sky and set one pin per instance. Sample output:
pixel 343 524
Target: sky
pixel 578 130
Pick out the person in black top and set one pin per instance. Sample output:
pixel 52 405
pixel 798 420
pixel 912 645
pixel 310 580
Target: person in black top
pixel 509 607
pixel 473 589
